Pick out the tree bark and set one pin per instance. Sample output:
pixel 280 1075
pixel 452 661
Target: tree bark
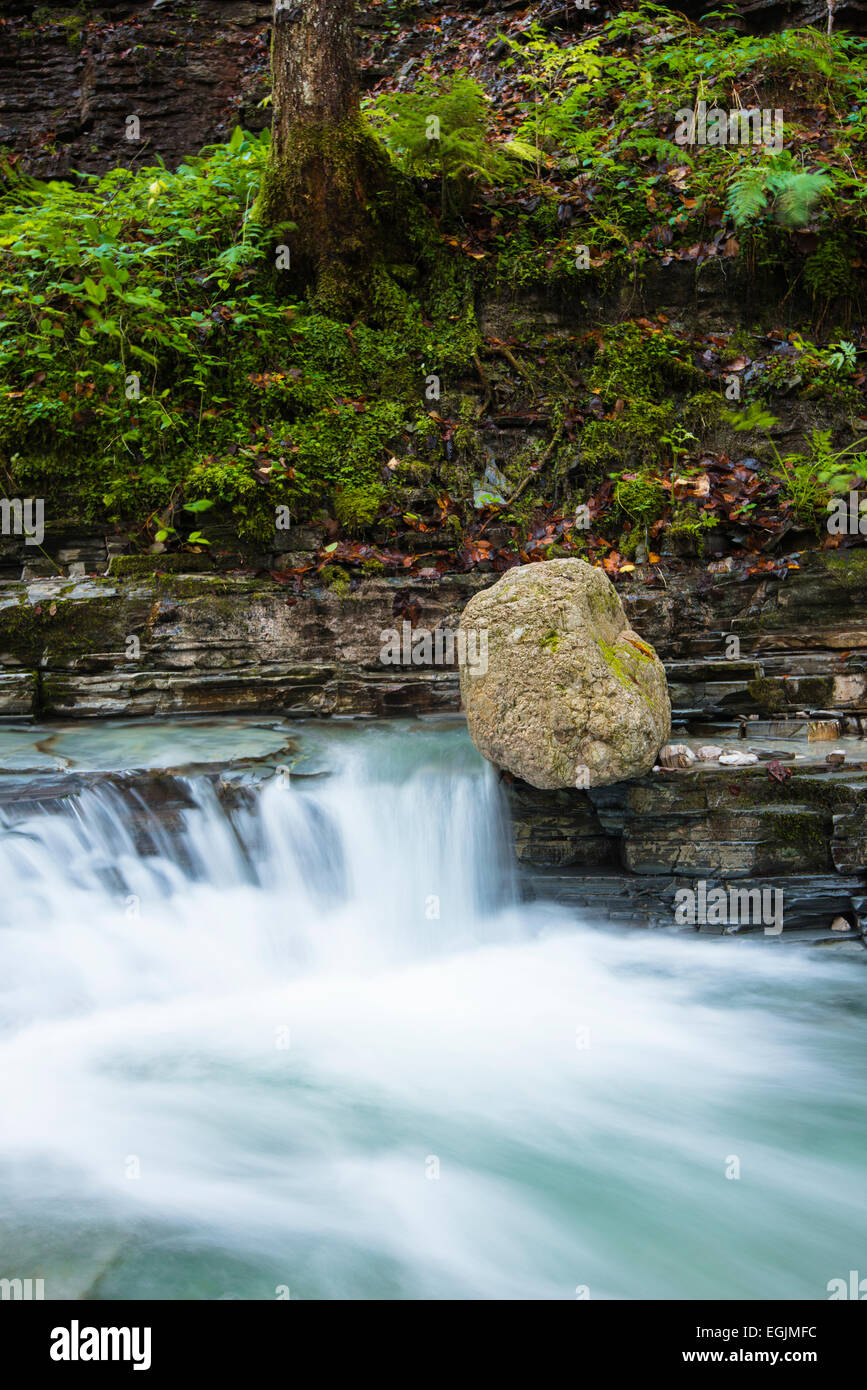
pixel 323 166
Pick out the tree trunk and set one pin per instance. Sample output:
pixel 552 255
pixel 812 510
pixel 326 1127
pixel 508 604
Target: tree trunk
pixel 323 165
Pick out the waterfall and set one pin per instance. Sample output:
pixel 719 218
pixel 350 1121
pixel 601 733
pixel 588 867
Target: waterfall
pixel 305 1034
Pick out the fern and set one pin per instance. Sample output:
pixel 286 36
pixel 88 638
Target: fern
pixel 747 197
pixel 657 149
pixel 779 187
pixel 443 130
pixel 796 200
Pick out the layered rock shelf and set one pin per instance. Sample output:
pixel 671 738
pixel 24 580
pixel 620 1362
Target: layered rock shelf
pixel 143 640
pixel 232 640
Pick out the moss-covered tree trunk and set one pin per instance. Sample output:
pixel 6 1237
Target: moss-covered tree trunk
pixel 323 166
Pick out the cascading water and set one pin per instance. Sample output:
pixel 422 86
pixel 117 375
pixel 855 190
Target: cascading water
pixel 309 1038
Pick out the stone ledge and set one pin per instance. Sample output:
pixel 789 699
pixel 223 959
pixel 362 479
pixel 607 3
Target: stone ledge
pixel 810 903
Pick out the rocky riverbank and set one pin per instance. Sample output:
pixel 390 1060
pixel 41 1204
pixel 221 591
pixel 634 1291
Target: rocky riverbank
pixel 100 635
pixel 146 638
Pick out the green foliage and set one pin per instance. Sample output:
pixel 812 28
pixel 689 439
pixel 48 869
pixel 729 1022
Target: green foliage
pixel 546 69
pixel 356 507
pixel 778 188
pixel 150 356
pixel 634 362
pixel 828 271
pixel 809 479
pixel 640 496
pixel 123 301
pixel 813 372
pixel 841 357
pixel 633 438
pixel 443 128
pixel 601 112
pixel 689 521
pixel 336 578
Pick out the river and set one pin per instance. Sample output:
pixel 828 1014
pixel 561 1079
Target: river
pixel 309 1042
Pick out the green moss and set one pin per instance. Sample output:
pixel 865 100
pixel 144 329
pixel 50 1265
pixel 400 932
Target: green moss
pixel 142 566
pixel 689 523
pixel 803 829
pixel 816 691
pixel 848 567
pixel 633 363
pixel 767 693
pixel 335 578
pixel 71 630
pixel 632 439
pixel 614 661
pixel 640 497
pixel 604 604
pixel 356 506
pixel 550 641
pixel 21 630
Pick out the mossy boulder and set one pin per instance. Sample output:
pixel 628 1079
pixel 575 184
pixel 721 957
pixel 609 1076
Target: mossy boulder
pixel 557 687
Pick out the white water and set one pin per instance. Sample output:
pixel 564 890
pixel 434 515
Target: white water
pixel 146 1000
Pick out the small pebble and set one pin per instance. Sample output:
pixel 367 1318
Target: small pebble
pixel 738 759
pixel 676 755
pixel 708 753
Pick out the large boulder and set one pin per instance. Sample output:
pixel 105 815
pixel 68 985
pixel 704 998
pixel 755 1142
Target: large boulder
pixel 561 692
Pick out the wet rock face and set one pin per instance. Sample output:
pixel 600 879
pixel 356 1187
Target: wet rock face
pixel 70 77
pixel 622 853
pixel 561 692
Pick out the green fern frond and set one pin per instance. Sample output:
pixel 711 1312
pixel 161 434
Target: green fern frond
pixel 796 202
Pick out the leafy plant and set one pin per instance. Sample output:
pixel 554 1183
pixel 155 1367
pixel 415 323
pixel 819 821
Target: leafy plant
pixel 443 128
pixel 842 357
pixel 777 187
pixel 555 78
pixel 808 479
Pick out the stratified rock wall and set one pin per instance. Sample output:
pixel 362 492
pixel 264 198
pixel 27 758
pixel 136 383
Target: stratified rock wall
pixel 71 74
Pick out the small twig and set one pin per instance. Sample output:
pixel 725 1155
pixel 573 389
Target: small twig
pixel 542 461
pixel 509 356
pixel 486 382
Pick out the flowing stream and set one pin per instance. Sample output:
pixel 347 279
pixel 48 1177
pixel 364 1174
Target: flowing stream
pixel 310 1039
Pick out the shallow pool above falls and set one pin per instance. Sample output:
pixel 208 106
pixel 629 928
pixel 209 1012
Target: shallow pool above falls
pixel 308 1038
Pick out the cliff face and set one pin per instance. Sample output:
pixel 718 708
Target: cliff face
pixel 70 76
pixel 189 74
